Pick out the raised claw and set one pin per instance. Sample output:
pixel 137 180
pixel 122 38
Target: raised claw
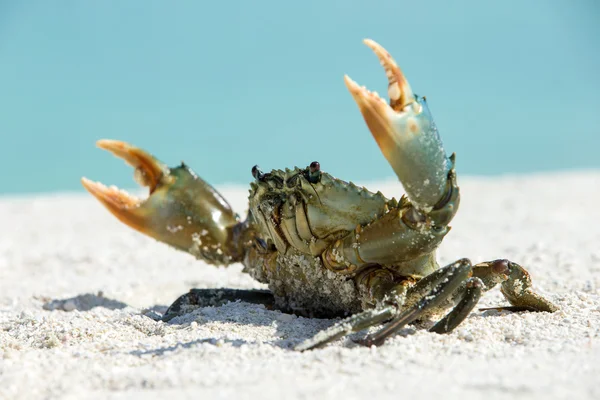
pixel 405 132
pixel 182 210
pixel 148 171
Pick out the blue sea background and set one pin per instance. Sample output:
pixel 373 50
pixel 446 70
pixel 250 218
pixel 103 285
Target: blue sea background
pixel 514 85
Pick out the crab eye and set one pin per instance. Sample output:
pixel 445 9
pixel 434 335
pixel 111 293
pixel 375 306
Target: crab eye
pixel 256 172
pixel 314 172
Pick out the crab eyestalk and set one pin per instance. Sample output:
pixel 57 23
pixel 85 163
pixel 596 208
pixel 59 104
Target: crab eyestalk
pixel 406 134
pixel 182 210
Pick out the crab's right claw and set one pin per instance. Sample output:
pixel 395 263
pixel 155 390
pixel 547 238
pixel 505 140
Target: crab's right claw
pixel 182 210
pixel 405 133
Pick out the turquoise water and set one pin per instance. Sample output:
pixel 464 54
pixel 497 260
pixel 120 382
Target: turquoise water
pixel 514 85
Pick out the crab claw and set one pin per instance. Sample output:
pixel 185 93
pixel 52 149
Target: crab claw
pixel 405 132
pixel 182 210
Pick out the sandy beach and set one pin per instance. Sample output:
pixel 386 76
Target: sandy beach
pixel 80 294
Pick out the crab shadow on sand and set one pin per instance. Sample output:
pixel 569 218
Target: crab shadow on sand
pixel 290 329
pixel 183 345
pixel 84 302
pixel 287 331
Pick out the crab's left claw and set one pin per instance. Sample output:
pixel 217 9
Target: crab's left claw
pixel 405 133
pixel 182 210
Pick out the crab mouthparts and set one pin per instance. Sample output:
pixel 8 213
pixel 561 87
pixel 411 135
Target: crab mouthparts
pixel 149 172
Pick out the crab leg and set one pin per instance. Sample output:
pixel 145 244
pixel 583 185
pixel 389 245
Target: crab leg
pixel 474 289
pixel 182 210
pixel 437 287
pixel 197 298
pixel 421 298
pixel 458 286
pixel 516 285
pixel 354 323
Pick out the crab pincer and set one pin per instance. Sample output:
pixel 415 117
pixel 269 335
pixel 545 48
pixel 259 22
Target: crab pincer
pixel 181 210
pixel 405 132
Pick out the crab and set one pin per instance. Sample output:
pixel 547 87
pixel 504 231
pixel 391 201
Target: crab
pixel 325 247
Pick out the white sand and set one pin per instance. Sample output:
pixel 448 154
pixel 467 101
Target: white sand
pixel 64 246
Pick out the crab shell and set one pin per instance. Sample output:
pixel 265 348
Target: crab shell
pixel 291 211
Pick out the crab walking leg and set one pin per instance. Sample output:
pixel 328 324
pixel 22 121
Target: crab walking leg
pixel 198 298
pixel 458 285
pixel 182 210
pixel 474 289
pixel 516 285
pixel 423 296
pixel 463 284
pixel 354 323
pixel 433 291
